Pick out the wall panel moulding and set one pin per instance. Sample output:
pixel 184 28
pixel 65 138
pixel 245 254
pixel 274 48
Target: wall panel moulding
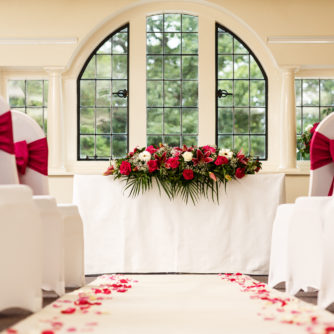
pixel 300 39
pixel 38 41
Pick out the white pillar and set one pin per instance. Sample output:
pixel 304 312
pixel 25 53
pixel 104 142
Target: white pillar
pixel 288 120
pixel 55 120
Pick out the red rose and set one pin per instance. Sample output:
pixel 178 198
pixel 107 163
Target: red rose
pixel 151 149
pixel 221 160
pixel 188 174
pixel 207 148
pixel 240 173
pixel 172 163
pixel 152 165
pixel 125 168
pixel 314 127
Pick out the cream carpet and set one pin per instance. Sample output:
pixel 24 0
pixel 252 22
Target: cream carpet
pixel 231 304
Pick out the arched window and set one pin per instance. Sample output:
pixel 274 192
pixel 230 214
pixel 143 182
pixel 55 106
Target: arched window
pixel 241 106
pixel 172 79
pixel 103 100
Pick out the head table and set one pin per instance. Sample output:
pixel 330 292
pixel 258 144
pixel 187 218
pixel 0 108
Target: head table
pixel 151 233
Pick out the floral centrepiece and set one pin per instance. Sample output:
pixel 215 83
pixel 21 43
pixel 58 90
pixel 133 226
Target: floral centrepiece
pixel 188 171
pixel 304 141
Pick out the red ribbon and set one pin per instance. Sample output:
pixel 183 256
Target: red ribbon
pixel 322 153
pixel 6 133
pixel 33 155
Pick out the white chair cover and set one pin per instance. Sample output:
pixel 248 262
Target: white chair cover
pixel 25 128
pixel 326 287
pixel 20 249
pixel 74 247
pixel 300 230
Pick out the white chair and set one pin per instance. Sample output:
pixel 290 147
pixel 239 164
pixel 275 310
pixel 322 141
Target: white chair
pixel 326 286
pixel 25 128
pixel 20 249
pixel 296 253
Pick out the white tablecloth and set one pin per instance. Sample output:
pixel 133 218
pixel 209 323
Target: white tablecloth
pixel 150 233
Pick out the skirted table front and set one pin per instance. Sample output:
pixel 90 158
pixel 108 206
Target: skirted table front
pixel 151 233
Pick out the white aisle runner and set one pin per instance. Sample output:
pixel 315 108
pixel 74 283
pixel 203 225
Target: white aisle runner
pixel 231 304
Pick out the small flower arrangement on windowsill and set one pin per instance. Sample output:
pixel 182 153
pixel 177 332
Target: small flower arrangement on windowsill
pixel 190 172
pixel 304 141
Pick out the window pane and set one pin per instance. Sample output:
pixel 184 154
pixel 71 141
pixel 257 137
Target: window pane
pixel 241 121
pixel 172 42
pixel 154 93
pixel 225 67
pixel 154 43
pixel 90 70
pixel 327 92
pixel 189 94
pixel 257 93
pixel 36 114
pixel 172 122
pixel 172 22
pixel 189 140
pixel 299 120
pixel 310 116
pixel 258 146
pixel 189 120
pixel 241 143
pixel 102 112
pixel 154 120
pixel 87 93
pixel 102 120
pixel 103 93
pixel 87 121
pixel 120 120
pixel 310 92
pixel 154 140
pixel 34 93
pixel 225 120
pixel 103 66
pixel 120 43
pixel 86 146
pixel 241 67
pixel 227 85
pixel 225 43
pixel 225 141
pixel 172 93
pixel 16 92
pixel 189 23
pixel 189 67
pixel 241 93
pixel 257 120
pixel 103 146
pixel 189 43
pixel 154 67
pixel 119 146
pixel 172 67
pixel 105 48
pixel 154 23
pixel 172 140
pixel 255 71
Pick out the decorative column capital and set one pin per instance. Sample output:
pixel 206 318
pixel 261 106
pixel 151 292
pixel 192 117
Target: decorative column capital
pixel 54 70
pixel 289 69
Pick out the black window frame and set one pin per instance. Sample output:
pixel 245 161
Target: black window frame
pixel 94 52
pixel 265 78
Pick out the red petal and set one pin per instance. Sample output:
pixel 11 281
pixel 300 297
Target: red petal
pixel 69 310
pixel 11 330
pixel 48 332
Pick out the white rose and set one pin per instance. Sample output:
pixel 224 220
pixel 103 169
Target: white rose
pixel 187 156
pixel 309 127
pixel 225 152
pixel 144 156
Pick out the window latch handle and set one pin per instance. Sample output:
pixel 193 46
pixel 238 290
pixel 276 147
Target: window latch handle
pixel 223 93
pixel 122 93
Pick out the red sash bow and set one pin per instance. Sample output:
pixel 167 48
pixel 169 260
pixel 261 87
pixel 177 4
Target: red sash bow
pixel 33 155
pixel 6 133
pixel 322 153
